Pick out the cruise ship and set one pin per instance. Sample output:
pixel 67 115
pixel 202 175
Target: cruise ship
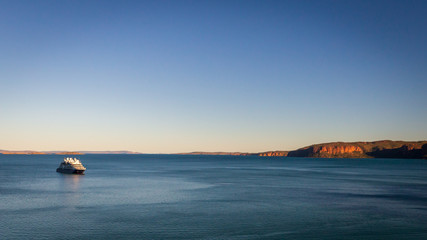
pixel 72 166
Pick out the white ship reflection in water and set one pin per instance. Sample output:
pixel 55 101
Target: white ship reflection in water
pixel 71 185
pixel 72 182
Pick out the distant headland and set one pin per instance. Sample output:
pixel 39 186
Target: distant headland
pixel 376 149
pixel 29 152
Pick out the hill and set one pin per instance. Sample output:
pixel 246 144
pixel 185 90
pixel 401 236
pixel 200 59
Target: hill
pixel 377 149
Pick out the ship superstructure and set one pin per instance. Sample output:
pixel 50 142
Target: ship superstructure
pixel 72 166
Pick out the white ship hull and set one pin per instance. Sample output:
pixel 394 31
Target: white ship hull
pixel 71 166
pixel 70 171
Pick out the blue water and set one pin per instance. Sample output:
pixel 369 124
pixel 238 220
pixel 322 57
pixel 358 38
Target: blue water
pixel 213 197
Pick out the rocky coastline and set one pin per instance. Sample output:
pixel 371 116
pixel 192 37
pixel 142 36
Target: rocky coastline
pixel 376 149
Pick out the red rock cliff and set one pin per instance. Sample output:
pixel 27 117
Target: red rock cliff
pixel 377 149
pixel 338 149
pixel 273 154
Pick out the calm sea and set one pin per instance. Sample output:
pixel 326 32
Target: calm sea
pixel 213 197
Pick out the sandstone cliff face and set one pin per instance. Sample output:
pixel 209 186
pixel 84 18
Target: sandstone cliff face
pixel 273 154
pixel 328 151
pixel 334 150
pixel 378 149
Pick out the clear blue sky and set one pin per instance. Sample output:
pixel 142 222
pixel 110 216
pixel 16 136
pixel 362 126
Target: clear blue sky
pixel 177 76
